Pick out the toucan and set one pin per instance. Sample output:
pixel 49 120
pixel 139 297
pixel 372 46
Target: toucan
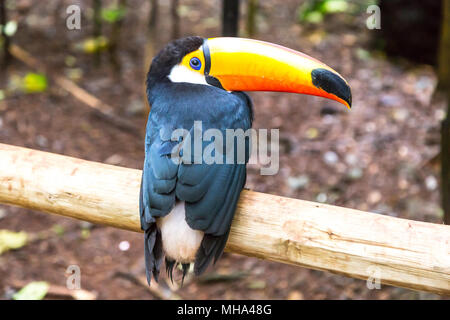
pixel 186 208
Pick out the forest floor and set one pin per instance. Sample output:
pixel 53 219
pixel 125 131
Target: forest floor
pixel 375 157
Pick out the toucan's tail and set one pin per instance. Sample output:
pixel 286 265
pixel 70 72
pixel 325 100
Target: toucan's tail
pixel 211 247
pixel 153 252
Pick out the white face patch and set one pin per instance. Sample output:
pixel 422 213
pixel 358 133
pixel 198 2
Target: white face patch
pixel 181 73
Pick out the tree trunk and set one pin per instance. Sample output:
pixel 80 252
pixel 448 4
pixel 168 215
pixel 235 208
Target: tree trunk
pixel 418 18
pixel 97 32
pixel 252 9
pixel 150 47
pixel 230 18
pixel 444 49
pixel 444 86
pixel 153 14
pixel 6 41
pixel 115 39
pixel 445 166
pixel 175 19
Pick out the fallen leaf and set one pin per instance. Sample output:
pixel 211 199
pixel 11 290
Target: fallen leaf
pixel 295 295
pixel 10 240
pixel 34 82
pixel 258 284
pixel 32 291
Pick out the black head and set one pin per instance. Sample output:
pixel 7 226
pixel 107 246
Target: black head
pixel 169 56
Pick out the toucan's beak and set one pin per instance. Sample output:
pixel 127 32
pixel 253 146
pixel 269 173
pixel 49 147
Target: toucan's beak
pixel 252 65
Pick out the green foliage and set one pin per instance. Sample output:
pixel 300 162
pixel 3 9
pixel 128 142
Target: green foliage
pixel 74 74
pixel 85 234
pixel 333 6
pixel 58 229
pixel 10 28
pixel 70 61
pixel 10 240
pixel 34 82
pixel 32 291
pixel 93 45
pixel 257 284
pixel 314 11
pixel 362 54
pixel 113 13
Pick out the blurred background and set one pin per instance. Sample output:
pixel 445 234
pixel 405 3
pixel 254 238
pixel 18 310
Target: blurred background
pixel 81 93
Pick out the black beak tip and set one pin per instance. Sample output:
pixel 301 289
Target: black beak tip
pixel 332 83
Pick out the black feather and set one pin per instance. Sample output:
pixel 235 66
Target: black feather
pixel 153 252
pixel 185 271
pixel 170 264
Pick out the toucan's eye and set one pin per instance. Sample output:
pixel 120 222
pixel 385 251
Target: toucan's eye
pixel 195 63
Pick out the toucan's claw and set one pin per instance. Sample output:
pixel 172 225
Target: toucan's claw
pixel 185 271
pixel 170 264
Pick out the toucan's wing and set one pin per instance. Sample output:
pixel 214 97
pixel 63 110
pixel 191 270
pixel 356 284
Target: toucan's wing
pixel 211 191
pixel 157 195
pixel 210 205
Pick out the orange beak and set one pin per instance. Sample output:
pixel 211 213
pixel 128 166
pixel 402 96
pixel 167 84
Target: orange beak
pixel 251 65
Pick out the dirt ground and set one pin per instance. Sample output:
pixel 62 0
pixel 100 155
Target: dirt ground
pixel 375 157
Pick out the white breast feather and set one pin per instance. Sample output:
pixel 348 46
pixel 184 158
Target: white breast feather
pixel 180 242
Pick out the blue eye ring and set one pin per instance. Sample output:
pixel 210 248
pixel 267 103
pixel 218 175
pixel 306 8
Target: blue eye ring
pixel 195 63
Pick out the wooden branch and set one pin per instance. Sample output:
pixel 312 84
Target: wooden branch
pixel 404 253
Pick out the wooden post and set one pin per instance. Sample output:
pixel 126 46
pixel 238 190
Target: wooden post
pixel 404 253
pixel 230 18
